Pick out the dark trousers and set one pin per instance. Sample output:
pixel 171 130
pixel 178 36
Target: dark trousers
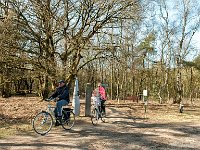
pixel 103 105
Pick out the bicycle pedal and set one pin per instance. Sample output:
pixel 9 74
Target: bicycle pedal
pixel 57 123
pixel 103 114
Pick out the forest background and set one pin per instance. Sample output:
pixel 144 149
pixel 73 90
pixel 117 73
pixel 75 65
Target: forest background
pixel 129 45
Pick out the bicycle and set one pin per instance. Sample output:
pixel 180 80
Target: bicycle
pixel 97 112
pixel 43 121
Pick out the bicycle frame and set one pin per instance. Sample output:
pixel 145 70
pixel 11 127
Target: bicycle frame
pixel 97 104
pixel 51 109
pixel 96 111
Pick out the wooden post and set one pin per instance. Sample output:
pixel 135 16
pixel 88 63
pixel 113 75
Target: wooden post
pixel 88 100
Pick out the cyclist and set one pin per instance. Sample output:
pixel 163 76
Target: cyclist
pixel 101 93
pixel 61 96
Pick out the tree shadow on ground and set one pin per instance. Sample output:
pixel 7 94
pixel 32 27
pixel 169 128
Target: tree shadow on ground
pixel 185 129
pixel 124 133
pixel 139 139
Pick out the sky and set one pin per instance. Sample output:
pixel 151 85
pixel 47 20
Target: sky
pixel 196 42
pixel 175 9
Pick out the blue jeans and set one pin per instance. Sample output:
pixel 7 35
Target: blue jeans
pixel 58 109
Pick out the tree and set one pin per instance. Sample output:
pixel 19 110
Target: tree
pixel 57 32
pixel 179 22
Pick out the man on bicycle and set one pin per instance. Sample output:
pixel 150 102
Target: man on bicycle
pixel 61 96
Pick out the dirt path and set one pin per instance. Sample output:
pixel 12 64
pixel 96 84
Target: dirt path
pixel 122 130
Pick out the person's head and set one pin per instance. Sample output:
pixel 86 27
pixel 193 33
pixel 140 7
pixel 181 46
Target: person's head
pixel 61 83
pixel 99 84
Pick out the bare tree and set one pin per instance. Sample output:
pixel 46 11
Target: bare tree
pixel 58 32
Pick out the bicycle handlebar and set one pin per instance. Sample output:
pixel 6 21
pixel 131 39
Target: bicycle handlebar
pixel 50 99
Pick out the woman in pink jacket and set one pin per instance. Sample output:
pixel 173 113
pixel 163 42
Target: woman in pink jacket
pixel 102 95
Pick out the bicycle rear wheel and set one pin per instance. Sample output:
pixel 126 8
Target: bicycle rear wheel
pixel 94 116
pixel 42 123
pixel 68 123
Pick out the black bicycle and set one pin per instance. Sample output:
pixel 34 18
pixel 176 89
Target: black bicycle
pixel 44 120
pixel 97 113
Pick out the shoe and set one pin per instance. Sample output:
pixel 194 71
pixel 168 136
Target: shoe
pixel 103 114
pixel 57 123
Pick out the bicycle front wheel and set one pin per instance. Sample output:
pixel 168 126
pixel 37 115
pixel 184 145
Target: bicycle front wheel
pixel 94 116
pixel 42 123
pixel 68 123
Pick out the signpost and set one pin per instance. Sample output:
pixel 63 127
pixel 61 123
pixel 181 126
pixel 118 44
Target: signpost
pixel 76 100
pixel 145 100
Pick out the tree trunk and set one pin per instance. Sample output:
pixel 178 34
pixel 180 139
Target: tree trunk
pixel 1 85
pixel 6 90
pixel 44 88
pixel 191 86
pixel 179 83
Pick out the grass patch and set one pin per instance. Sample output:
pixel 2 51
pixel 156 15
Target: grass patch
pixel 6 130
pixel 14 129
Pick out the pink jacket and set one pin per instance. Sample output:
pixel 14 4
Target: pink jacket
pixel 102 93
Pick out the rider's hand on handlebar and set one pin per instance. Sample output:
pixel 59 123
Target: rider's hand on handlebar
pixel 48 99
pixel 56 99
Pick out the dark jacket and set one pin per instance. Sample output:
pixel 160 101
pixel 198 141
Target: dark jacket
pixel 62 93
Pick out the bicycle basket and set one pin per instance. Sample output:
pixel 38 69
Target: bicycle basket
pixel 96 101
